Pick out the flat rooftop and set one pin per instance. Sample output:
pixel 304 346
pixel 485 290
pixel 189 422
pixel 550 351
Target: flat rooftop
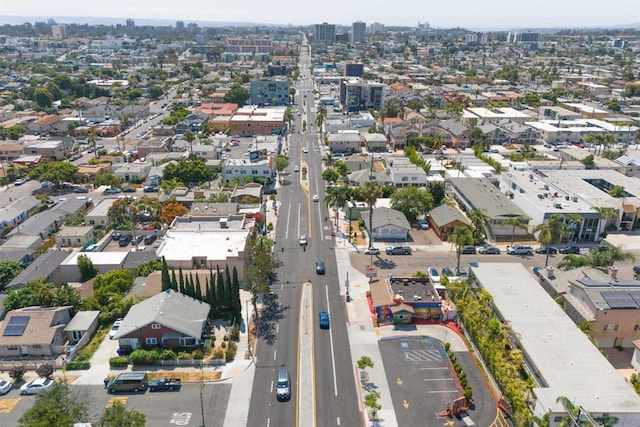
pixel 582 182
pixel 214 245
pixel 567 363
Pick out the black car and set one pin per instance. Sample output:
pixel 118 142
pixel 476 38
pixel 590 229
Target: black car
pixel 469 250
pixel 150 239
pixel 543 250
pixel 124 240
pixel 636 270
pixel 570 250
pixel 320 267
pixel 490 250
pixel 129 190
pixel 150 189
pixel 80 190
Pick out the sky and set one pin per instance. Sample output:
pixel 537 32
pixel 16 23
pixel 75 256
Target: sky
pixel 471 14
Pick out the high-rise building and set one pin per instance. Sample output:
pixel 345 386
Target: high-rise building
pixel 272 92
pixel 325 32
pixel 130 23
pixel 376 27
pixel 527 40
pixel 358 32
pixel 59 32
pixel 179 25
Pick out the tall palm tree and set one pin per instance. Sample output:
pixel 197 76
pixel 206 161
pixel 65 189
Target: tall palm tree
pixel 478 219
pixel 571 261
pixel 515 222
pixel 328 160
pixel 460 237
pixel 606 213
pixel 608 256
pixel 91 138
pixel 370 194
pixel 337 197
pixel 552 231
pixel 189 136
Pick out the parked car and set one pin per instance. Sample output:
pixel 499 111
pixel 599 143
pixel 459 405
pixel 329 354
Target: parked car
pixel 129 190
pixel 324 320
pixel 462 272
pixel 19 181
pixel 398 250
pixel 423 224
pixel 572 249
pixel 434 276
pixel 116 235
pixel 113 191
pixel 165 384
pixel 124 241
pixel 37 386
pixel 469 250
pixel 520 250
pixel 446 271
pixel 5 387
pixel 543 250
pixel 80 190
pixel 320 269
pixel 636 270
pixel 372 251
pixel 115 327
pixel 150 189
pixel 150 239
pixel 489 250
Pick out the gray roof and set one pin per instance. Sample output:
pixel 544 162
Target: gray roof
pixel 43 220
pixel 364 175
pixel 13 210
pixel 136 258
pixel 386 216
pixel 482 194
pixel 453 126
pixel 221 209
pixel 445 214
pixel 170 309
pixel 43 266
pixel 82 320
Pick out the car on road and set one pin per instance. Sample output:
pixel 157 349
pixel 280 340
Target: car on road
pixel 283 385
pixel 37 386
pixel 150 189
pixel 80 190
pixel 19 181
pixel 519 250
pixel 423 224
pixel 398 250
pixel 315 198
pixel 324 320
pixel 112 191
pixel 320 267
pixel 305 150
pixel 5 387
pixel 434 276
pixel 571 249
pixel 489 250
pixel 543 250
pixel 372 251
pixel 115 327
pixel 296 169
pixel 469 250
pixel 129 190
pixel 303 240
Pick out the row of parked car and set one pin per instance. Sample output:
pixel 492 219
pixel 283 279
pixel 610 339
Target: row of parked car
pixel 489 250
pixel 124 239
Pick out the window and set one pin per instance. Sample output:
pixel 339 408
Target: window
pixel 12 347
pixel 155 326
pixel 605 328
pixel 37 346
pixel 615 327
pixel 636 328
pixel 187 342
pixel 151 341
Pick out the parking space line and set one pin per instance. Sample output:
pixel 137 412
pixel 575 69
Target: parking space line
pixel 442 391
pixel 7 405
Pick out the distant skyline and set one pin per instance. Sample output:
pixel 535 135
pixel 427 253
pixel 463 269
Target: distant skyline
pixel 471 14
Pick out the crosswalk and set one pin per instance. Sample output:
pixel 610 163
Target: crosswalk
pixel 120 399
pixel 7 405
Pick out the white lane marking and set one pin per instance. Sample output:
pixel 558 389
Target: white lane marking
pixel 286 232
pixel 275 352
pixel 333 357
pixel 271 388
pixel 277 327
pixel 338 421
pixel 268 421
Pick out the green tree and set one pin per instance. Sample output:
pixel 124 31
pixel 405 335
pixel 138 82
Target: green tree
pixel 117 415
pixel 188 172
pixel 56 407
pixel 460 237
pixel 236 303
pixel 198 290
pixel 166 279
pixel 412 201
pixel 8 271
pixel 371 402
pixel 282 163
pixel 54 172
pixel 606 214
pixel 370 194
pixel 437 192
pixel 155 92
pixel 87 270
pixel 237 95
pixel 554 230
pixel 588 161
pixel 478 219
pixel 330 175
pixel 39 292
pixel 328 160
pixel 261 266
pixel 617 191
pixel 107 177
pixel 337 197
pixel 15 132
pixel 190 137
pixel 43 97
pixel 515 222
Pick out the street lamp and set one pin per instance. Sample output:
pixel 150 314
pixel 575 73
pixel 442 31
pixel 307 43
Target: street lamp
pixel 201 390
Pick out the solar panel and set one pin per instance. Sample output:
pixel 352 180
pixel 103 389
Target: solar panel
pixel 626 283
pixel 636 296
pixel 619 300
pixel 16 326
pixel 591 283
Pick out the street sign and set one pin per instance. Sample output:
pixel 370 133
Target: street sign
pixel 372 272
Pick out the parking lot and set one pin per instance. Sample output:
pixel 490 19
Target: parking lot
pixel 422 381
pixel 180 408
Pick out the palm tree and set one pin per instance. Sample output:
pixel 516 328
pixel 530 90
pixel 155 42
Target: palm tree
pixel 478 219
pixel 608 256
pixel 370 194
pixel 189 136
pixel 91 137
pixel 337 196
pixel 606 213
pixel 328 160
pixel 552 231
pixel 572 261
pixel 460 237
pixel 515 222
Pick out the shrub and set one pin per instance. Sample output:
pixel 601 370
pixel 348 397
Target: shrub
pixel 207 345
pixel 17 373
pixel 231 354
pixel 468 393
pixel 143 357
pixel 184 355
pixel 235 332
pixel 167 354
pixel 223 344
pixel 218 353
pixel 119 362
pixel 78 365
pixel 45 370
pixel 197 354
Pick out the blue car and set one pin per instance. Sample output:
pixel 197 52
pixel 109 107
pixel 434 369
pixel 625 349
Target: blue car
pixel 324 320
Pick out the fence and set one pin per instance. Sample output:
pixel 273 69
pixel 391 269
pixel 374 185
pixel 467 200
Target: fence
pixel 29 365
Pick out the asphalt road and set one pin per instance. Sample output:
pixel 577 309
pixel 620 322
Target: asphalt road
pixel 180 408
pixel 335 393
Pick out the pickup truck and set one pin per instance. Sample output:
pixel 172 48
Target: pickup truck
pixel 164 384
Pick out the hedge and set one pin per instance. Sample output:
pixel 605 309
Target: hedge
pixel 78 365
pixel 118 362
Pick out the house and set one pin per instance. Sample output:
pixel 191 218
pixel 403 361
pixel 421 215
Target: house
pixel 99 215
pixel 361 177
pixel 80 329
pixel 75 237
pixel 132 172
pixel 16 211
pixel 168 319
pixel 399 134
pixel 45 223
pixel 247 194
pixel 51 149
pixel 23 256
pixel 263 169
pixel 104 262
pixel 251 120
pixel 46 266
pixel 34 331
pixel 23 242
pixel 444 219
pixel 344 142
pixel 10 152
pixel 155 144
pixel 376 142
pixel 388 224
pixel 403 173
